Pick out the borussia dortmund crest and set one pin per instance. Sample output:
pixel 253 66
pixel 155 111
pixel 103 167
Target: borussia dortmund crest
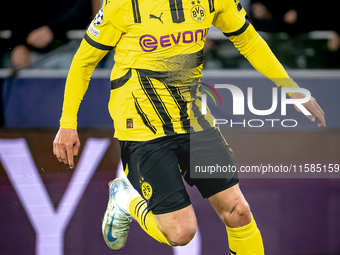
pixel 197 12
pixel 146 190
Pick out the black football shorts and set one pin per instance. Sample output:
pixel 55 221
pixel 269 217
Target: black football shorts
pixel 156 168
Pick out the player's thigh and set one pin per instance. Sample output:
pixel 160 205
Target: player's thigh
pixel 222 191
pixel 209 148
pixel 152 168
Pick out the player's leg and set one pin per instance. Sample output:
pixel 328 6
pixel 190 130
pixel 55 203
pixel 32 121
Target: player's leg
pixel 164 209
pixel 243 235
pixel 179 227
pixel 231 207
pixel 174 228
pixel 208 148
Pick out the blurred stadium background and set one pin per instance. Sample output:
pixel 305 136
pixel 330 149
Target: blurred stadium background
pixel 48 209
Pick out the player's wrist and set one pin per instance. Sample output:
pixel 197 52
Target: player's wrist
pixel 68 124
pixel 67 127
pixel 286 83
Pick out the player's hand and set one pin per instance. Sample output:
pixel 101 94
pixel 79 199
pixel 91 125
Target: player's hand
pixel 313 107
pixel 66 146
pixel 40 37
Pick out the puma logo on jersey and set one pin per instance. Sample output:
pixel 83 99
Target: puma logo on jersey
pixel 155 17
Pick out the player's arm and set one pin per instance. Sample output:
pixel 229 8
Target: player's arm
pixel 66 143
pixel 231 19
pixel 101 37
pixel 256 50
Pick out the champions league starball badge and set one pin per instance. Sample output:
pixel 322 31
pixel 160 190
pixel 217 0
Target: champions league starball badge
pixel 98 20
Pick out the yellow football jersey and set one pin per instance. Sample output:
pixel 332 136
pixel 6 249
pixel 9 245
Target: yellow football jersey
pixel 158 61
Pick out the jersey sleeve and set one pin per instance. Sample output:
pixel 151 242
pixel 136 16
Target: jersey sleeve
pixel 107 27
pixel 84 62
pixel 230 17
pixel 255 49
pixel 102 35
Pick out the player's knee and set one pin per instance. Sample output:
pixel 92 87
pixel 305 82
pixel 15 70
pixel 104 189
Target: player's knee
pixel 241 209
pixel 182 235
pixel 239 215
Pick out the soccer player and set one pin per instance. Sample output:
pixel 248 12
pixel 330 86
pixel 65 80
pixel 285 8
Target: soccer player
pixel 156 107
